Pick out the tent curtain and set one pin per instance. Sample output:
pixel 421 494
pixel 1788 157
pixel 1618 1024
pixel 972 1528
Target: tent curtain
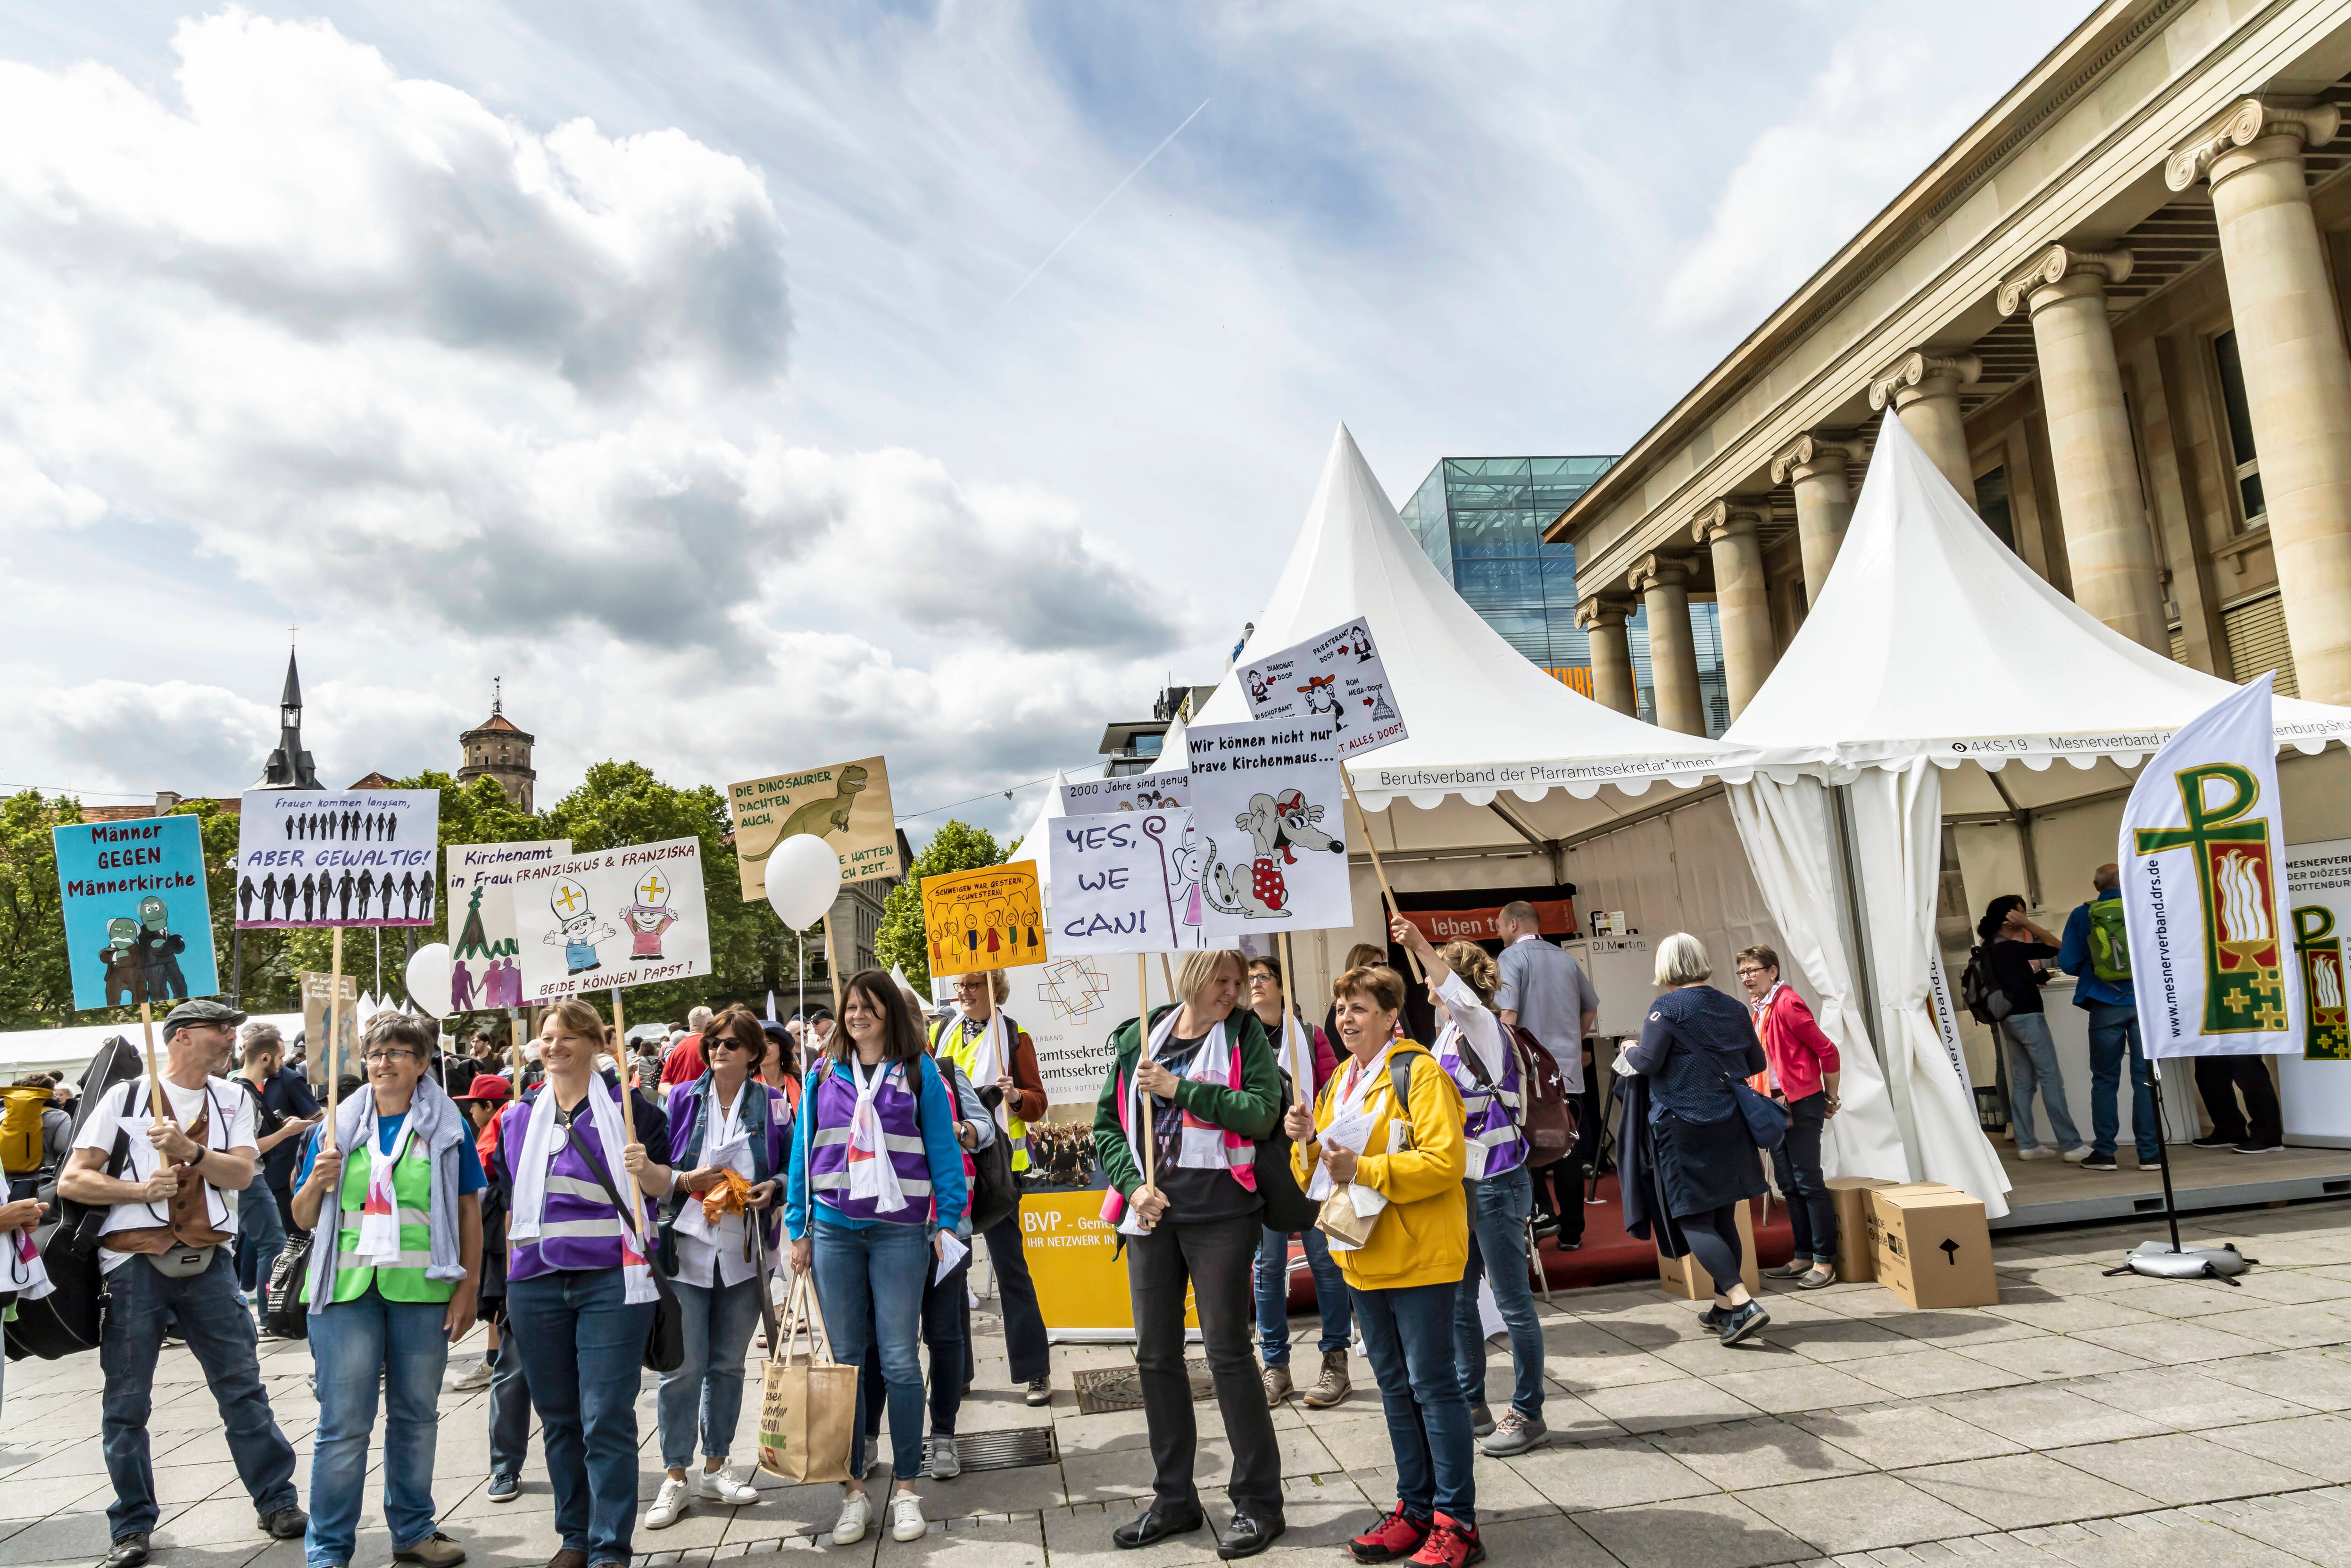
pixel 1785 831
pixel 1897 821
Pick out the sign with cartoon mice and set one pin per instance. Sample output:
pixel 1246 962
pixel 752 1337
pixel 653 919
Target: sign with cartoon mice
pixel 366 858
pixel 616 917
pixel 1271 817
pixel 1125 883
pixel 139 927
pixel 1335 681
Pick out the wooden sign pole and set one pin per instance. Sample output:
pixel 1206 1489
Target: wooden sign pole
pixel 832 969
pixel 334 1040
pixel 155 1103
pixel 1378 870
pixel 1303 1083
pixel 1149 1131
pixel 629 1114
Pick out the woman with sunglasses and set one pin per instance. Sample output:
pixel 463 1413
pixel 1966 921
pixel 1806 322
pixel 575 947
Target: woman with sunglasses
pixel 393 1279
pixel 725 1123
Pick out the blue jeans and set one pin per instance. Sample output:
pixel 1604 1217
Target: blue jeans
pixel 354 1346
pixel 1273 1295
pixel 583 1348
pixel 219 1330
pixel 718 1325
pixel 2114 1031
pixel 260 1233
pixel 946 1331
pixel 2032 1063
pixel 1499 1207
pixel 1408 1337
pixel 869 1282
pixel 509 1410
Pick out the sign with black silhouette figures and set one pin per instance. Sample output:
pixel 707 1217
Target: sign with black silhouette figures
pixel 367 858
pixel 1335 682
pixel 615 917
pixel 1270 814
pixel 1125 883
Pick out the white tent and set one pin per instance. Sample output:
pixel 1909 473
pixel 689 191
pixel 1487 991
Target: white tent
pixel 70 1048
pixel 1932 642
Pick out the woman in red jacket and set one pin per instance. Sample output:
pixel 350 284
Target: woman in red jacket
pixel 1803 1066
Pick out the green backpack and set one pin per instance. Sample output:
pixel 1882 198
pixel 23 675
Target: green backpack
pixel 2109 942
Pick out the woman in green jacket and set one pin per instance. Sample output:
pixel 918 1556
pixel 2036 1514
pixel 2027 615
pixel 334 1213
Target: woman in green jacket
pixel 1204 1076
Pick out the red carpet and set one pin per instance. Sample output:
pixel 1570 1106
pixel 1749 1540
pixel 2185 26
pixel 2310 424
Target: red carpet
pixel 1607 1257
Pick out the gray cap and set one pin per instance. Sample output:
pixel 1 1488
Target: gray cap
pixel 202 1010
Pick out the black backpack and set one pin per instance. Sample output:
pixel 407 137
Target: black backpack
pixel 69 1319
pixel 1980 992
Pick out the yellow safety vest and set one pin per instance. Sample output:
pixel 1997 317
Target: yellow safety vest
pixel 963 1049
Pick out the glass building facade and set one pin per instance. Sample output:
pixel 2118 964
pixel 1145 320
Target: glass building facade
pixel 1480 520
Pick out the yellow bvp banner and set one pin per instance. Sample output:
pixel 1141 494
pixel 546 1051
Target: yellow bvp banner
pixel 1080 1287
pixel 991 918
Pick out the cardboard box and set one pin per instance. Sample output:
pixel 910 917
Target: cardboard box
pixel 1934 1246
pixel 1682 1277
pixel 1856 1225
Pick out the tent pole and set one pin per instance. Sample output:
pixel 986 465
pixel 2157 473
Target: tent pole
pixel 2154 1087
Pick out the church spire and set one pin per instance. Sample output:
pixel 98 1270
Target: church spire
pixel 289 767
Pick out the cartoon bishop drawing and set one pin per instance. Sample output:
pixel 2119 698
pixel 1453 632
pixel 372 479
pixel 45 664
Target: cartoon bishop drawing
pixel 576 926
pixel 649 916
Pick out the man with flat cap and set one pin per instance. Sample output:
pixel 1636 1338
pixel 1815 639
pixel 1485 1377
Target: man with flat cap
pixel 162 1173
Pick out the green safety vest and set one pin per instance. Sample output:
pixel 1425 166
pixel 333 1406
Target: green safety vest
pixel 948 1035
pixel 412 1189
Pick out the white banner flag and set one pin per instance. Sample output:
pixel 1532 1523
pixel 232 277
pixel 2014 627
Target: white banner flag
pixel 2203 895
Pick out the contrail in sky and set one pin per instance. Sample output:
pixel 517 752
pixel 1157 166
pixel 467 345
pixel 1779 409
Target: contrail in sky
pixel 1106 201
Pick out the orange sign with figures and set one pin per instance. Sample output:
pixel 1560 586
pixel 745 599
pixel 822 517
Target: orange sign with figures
pixel 991 918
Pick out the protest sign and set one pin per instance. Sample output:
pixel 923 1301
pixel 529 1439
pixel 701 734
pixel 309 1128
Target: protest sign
pixel 316 989
pixel 139 928
pixel 846 804
pixel 990 918
pixel 1125 883
pixel 626 916
pixel 365 858
pixel 479 884
pixel 1335 681
pixel 1127 792
pixel 1267 799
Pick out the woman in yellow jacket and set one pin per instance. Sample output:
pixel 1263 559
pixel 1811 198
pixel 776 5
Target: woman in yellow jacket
pixel 1401 1157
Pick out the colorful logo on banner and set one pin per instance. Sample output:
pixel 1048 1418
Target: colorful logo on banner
pixel 2236 881
pixel 2327 1035
pixel 990 918
pixel 139 928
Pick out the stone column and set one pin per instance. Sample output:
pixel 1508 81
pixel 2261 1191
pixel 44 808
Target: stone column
pixel 1813 466
pixel 2297 374
pixel 2109 539
pixel 1612 653
pixel 1924 387
pixel 1664 588
pixel 1728 529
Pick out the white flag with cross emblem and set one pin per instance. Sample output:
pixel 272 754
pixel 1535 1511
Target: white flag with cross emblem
pixel 626 916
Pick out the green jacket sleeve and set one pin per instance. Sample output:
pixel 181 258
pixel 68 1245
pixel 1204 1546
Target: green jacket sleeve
pixel 1255 1108
pixel 1111 1151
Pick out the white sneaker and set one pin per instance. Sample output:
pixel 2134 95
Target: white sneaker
pixel 2038 1152
pixel 856 1513
pixel 669 1504
pixel 2077 1153
pixel 478 1378
pixel 906 1520
pixel 729 1487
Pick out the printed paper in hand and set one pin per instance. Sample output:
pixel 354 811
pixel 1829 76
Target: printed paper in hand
pixel 952 1251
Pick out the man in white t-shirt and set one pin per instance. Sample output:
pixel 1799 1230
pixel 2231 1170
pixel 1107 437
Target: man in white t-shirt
pixel 166 1248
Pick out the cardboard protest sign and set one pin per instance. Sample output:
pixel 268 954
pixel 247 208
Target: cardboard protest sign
pixel 1127 792
pixel 139 928
pixel 846 804
pixel 1267 799
pixel 990 918
pixel 1125 883
pixel 1335 681
pixel 479 882
pixel 316 989
pixel 616 917
pixel 365 858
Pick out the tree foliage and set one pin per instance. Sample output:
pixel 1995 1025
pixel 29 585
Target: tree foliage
pixel 959 846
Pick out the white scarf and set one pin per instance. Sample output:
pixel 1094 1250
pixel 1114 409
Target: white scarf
pixel 726 1139
pixel 1200 1147
pixel 990 1052
pixel 21 1269
pixel 1350 1127
pixel 870 1172
pixel 530 1181
pixel 379 1243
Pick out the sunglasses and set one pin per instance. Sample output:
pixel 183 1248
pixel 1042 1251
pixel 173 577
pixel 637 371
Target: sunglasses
pixel 723 1043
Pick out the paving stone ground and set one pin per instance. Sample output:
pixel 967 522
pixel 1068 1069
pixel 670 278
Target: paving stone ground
pixel 2082 1421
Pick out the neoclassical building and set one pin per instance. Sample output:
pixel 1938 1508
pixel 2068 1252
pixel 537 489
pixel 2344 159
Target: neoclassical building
pixel 2113 313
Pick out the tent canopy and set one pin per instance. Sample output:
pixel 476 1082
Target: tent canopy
pixel 1498 752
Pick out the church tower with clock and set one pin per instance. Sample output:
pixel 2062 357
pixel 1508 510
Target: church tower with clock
pixel 496 748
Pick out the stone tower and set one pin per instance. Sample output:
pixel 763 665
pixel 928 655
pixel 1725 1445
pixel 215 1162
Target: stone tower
pixel 289 767
pixel 495 749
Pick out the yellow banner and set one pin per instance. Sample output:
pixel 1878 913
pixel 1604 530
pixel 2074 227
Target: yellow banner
pixel 1081 1288
pixel 991 918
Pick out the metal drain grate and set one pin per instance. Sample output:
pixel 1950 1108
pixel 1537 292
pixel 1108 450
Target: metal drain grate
pixel 1106 1388
pixel 1008 1449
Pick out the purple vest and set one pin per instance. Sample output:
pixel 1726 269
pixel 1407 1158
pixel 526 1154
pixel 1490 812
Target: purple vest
pixel 1489 1119
pixel 902 1137
pixel 578 1229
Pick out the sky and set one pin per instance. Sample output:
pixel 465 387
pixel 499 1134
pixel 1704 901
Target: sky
pixel 754 386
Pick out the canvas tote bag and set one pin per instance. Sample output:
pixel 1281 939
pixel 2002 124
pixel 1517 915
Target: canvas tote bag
pixel 808 1402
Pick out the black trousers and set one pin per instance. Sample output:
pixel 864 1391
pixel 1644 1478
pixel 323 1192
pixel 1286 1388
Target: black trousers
pixel 1213 1257
pixel 2219 1079
pixel 1024 1325
pixel 1811 1212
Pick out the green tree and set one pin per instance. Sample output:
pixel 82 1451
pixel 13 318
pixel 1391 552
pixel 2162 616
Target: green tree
pixel 35 982
pixel 959 846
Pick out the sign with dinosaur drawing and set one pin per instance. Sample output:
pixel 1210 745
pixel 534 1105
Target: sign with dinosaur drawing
pixel 1335 681
pixel 1269 810
pixel 846 804
pixel 990 918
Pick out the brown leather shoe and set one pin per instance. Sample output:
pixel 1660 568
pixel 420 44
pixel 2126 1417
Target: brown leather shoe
pixel 568 1558
pixel 1278 1386
pixel 1333 1385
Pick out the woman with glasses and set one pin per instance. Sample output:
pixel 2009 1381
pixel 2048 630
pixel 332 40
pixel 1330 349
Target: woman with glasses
pixel 876 1176
pixel 579 1295
pixel 1804 1077
pixel 729 1146
pixel 392 1282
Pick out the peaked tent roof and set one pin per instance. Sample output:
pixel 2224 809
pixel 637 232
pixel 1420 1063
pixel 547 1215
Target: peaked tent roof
pixel 1932 638
pixel 1487 730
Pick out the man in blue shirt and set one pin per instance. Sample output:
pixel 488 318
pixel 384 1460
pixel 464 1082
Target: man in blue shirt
pixel 2096 953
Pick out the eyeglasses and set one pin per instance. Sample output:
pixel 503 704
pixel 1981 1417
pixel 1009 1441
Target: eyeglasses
pixel 1749 972
pixel 389 1053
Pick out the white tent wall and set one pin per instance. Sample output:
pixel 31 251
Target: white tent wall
pixel 1683 871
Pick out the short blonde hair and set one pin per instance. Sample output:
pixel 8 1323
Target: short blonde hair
pixel 999 987
pixel 1199 967
pixel 1682 960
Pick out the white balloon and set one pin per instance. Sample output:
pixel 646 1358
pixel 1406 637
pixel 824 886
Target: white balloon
pixel 803 879
pixel 428 980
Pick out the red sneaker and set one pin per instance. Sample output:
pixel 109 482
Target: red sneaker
pixel 1397 1534
pixel 1451 1545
